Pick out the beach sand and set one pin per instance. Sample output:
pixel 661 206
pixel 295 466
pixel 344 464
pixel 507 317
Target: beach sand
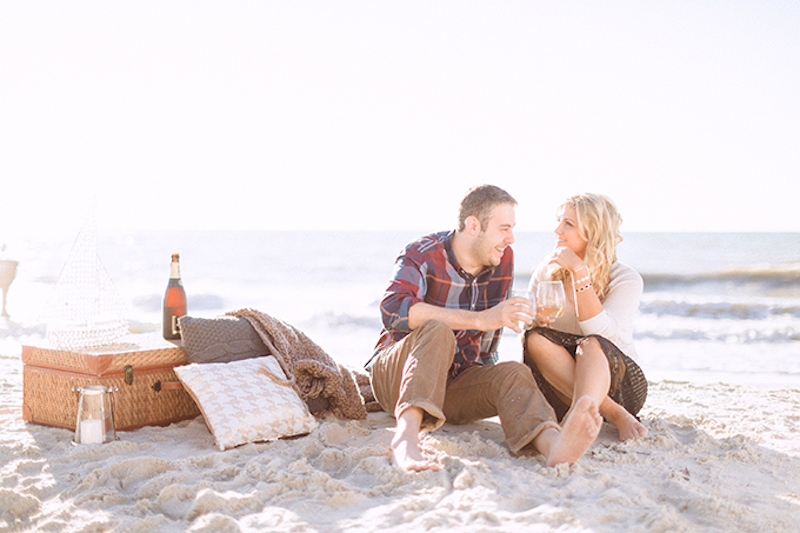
pixel 717 458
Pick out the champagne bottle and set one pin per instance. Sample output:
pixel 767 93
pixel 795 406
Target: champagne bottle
pixel 174 301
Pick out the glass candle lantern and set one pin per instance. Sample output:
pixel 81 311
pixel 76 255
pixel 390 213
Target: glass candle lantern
pixel 95 423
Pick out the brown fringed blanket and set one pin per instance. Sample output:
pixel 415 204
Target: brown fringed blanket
pixel 326 386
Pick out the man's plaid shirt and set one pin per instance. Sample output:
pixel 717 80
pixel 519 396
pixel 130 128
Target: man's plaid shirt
pixel 427 271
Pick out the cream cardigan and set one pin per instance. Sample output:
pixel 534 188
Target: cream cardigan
pixel 615 322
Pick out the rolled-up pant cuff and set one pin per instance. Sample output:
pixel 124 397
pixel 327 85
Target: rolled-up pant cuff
pixel 525 446
pixel 414 371
pixel 432 416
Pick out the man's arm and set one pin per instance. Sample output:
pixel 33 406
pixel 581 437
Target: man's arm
pixel 404 308
pixel 501 315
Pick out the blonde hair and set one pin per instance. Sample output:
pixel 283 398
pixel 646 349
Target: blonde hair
pixel 598 222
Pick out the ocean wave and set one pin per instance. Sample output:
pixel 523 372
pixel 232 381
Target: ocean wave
pixel 773 277
pixel 719 310
pixel 777 281
pixel 12 331
pixel 746 336
pixel 203 302
pixel 337 320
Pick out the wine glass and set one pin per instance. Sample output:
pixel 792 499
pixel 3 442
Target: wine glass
pixel 527 295
pixel 549 300
pixel 8 270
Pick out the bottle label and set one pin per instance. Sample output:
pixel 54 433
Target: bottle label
pixel 176 328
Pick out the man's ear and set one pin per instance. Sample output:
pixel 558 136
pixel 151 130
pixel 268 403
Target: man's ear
pixel 472 225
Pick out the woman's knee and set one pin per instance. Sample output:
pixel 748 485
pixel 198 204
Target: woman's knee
pixel 536 347
pixel 589 347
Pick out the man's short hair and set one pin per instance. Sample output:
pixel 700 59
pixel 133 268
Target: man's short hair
pixel 479 202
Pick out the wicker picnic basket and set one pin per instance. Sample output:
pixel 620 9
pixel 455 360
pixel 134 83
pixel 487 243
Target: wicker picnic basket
pixel 138 369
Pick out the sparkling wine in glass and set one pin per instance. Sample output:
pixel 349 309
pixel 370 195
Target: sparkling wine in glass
pixel 549 300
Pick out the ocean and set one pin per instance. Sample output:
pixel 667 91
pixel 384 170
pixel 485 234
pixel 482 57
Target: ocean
pixel 717 307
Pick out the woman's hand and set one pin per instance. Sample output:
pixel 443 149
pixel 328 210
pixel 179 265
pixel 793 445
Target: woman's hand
pixel 543 321
pixel 566 258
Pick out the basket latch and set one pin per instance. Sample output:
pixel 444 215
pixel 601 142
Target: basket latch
pixel 128 374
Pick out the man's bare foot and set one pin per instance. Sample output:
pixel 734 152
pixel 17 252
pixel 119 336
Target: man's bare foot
pixel 578 431
pixel 405 444
pixel 408 455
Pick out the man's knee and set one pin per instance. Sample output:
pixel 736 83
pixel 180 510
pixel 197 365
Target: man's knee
pixel 436 338
pixel 436 328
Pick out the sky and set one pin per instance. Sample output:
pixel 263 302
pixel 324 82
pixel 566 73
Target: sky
pixel 378 115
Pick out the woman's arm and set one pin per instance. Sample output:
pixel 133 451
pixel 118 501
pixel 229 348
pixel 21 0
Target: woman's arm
pixel 587 304
pixel 619 307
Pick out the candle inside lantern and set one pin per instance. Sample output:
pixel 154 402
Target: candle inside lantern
pixel 91 431
pixel 95 424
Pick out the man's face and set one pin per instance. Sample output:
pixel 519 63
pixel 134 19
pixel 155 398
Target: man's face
pixel 491 242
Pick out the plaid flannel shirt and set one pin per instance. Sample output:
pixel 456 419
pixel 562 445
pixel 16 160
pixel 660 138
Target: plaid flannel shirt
pixel 427 271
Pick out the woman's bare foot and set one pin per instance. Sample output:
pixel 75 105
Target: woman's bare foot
pixel 405 444
pixel 627 425
pixel 578 431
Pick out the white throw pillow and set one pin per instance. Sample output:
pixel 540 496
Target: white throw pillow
pixel 245 401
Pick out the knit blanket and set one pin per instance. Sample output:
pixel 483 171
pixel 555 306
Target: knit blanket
pixel 326 386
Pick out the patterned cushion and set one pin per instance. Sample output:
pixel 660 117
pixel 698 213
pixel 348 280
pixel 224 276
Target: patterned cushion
pixel 246 401
pixel 218 340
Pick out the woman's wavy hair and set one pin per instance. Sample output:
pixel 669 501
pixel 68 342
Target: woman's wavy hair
pixel 598 222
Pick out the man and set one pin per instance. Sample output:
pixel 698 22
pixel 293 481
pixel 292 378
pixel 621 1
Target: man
pixel 443 316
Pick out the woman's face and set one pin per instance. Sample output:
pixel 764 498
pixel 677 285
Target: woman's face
pixel 567 233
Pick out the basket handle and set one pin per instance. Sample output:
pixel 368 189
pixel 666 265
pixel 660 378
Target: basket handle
pixel 158 386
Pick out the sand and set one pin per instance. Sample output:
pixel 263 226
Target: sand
pixel 717 458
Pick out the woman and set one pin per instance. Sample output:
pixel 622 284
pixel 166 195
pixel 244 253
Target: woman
pixel 587 350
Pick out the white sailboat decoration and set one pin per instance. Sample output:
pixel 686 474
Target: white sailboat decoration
pixel 86 310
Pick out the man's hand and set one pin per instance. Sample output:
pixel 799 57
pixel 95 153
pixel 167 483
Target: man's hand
pixel 511 313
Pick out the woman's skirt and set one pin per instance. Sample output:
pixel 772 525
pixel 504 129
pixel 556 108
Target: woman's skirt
pixel 628 384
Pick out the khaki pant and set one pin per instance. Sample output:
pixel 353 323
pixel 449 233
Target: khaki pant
pixel 415 372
